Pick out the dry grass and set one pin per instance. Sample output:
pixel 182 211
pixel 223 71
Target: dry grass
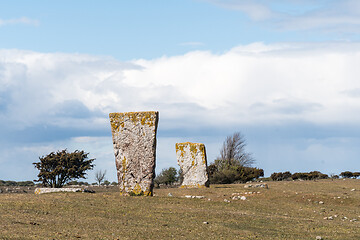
pixel 287 210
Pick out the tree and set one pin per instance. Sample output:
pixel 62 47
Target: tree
pixel 100 176
pixel 167 176
pixel 233 152
pixel 56 169
pixel 233 164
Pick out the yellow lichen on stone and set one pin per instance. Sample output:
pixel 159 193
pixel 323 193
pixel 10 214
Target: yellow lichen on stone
pixel 124 170
pixel 117 120
pixel 137 189
pixel 180 147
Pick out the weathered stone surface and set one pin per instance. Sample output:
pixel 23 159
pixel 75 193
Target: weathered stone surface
pixel 191 158
pixel 54 190
pixel 134 139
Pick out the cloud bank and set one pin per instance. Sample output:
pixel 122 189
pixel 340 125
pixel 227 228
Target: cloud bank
pixel 50 101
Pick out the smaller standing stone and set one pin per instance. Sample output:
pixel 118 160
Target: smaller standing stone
pixel 191 158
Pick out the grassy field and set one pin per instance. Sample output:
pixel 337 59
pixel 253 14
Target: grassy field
pixel 287 210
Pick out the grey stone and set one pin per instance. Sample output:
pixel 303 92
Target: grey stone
pixel 134 139
pixel 55 190
pixel 191 158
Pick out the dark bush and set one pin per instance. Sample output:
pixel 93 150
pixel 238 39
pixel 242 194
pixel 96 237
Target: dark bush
pixel 356 174
pixel 281 176
pixel 234 174
pixel 346 174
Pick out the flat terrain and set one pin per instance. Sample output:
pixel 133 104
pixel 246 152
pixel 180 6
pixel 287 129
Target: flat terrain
pixel 287 210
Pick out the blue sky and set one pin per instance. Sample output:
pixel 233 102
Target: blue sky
pixel 284 73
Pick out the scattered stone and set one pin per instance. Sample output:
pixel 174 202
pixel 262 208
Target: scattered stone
pixel 170 195
pixel 1 190
pixel 329 218
pixel 198 197
pixel 319 238
pixel 321 202
pixel 353 189
pixel 134 139
pixel 225 200
pixel 55 190
pixel 353 220
pixel 260 185
pixel 238 198
pixel 205 222
pixel 191 158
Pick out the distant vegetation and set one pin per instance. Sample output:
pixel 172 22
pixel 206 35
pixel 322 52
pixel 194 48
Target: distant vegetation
pixel 18 184
pixel 281 176
pixel 348 174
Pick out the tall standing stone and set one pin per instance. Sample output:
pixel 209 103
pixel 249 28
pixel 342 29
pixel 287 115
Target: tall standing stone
pixel 191 158
pixel 134 139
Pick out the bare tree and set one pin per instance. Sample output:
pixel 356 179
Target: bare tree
pixel 233 151
pixel 100 176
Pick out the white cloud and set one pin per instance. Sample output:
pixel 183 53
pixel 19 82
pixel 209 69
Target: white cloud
pixel 22 20
pixel 329 16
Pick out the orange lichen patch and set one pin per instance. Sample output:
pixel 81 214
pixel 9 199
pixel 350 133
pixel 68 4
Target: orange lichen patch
pixel 117 120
